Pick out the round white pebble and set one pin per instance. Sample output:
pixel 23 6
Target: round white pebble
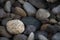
pixel 15 26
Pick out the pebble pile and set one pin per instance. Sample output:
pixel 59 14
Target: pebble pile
pixel 29 19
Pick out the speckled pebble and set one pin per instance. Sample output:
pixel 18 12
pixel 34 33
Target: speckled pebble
pixel 15 26
pixel 42 14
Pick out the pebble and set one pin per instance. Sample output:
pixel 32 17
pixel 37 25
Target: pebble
pixel 31 36
pixel 52 1
pixel 56 10
pixel 3 38
pixel 40 33
pixel 2 13
pixel 53 21
pixel 41 37
pixel 31 21
pixel 56 36
pixel 29 9
pixel 7 6
pixel 4 21
pixel 42 14
pixel 3 32
pixel 21 1
pixel 20 37
pixel 15 26
pixel 29 29
pixel 2 1
pixel 20 11
pixel 58 17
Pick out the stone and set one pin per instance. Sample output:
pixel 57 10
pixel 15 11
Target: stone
pixel 3 32
pixel 5 20
pixel 2 1
pixel 56 10
pixel 7 6
pixel 21 1
pixel 20 11
pixel 2 13
pixel 56 36
pixel 4 38
pixel 41 37
pixel 29 29
pixel 15 26
pixel 58 17
pixel 38 3
pixel 42 14
pixel 31 21
pixel 29 9
pixel 44 33
pixel 53 21
pixel 52 1
pixel 20 37
pixel 44 27
pixel 31 36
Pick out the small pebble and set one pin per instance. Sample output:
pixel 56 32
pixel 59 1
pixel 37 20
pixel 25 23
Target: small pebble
pixel 56 10
pixel 3 38
pixel 2 13
pixel 42 14
pixel 31 36
pixel 21 1
pixel 3 32
pixel 15 26
pixel 29 29
pixel 20 11
pixel 31 21
pixel 56 36
pixel 20 37
pixel 41 37
pixel 7 6
pixel 29 9
pixel 52 1
pixel 2 1
pixel 53 21
pixel 38 3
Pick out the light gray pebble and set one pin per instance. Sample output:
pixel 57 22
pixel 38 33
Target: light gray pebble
pixel 29 9
pixel 7 6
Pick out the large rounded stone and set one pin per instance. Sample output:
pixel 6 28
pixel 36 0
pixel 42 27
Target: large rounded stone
pixel 29 8
pixel 15 26
pixel 42 14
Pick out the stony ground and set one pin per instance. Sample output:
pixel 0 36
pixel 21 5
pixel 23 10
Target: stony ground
pixel 29 19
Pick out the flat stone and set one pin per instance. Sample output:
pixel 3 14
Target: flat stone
pixel 31 21
pixel 29 9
